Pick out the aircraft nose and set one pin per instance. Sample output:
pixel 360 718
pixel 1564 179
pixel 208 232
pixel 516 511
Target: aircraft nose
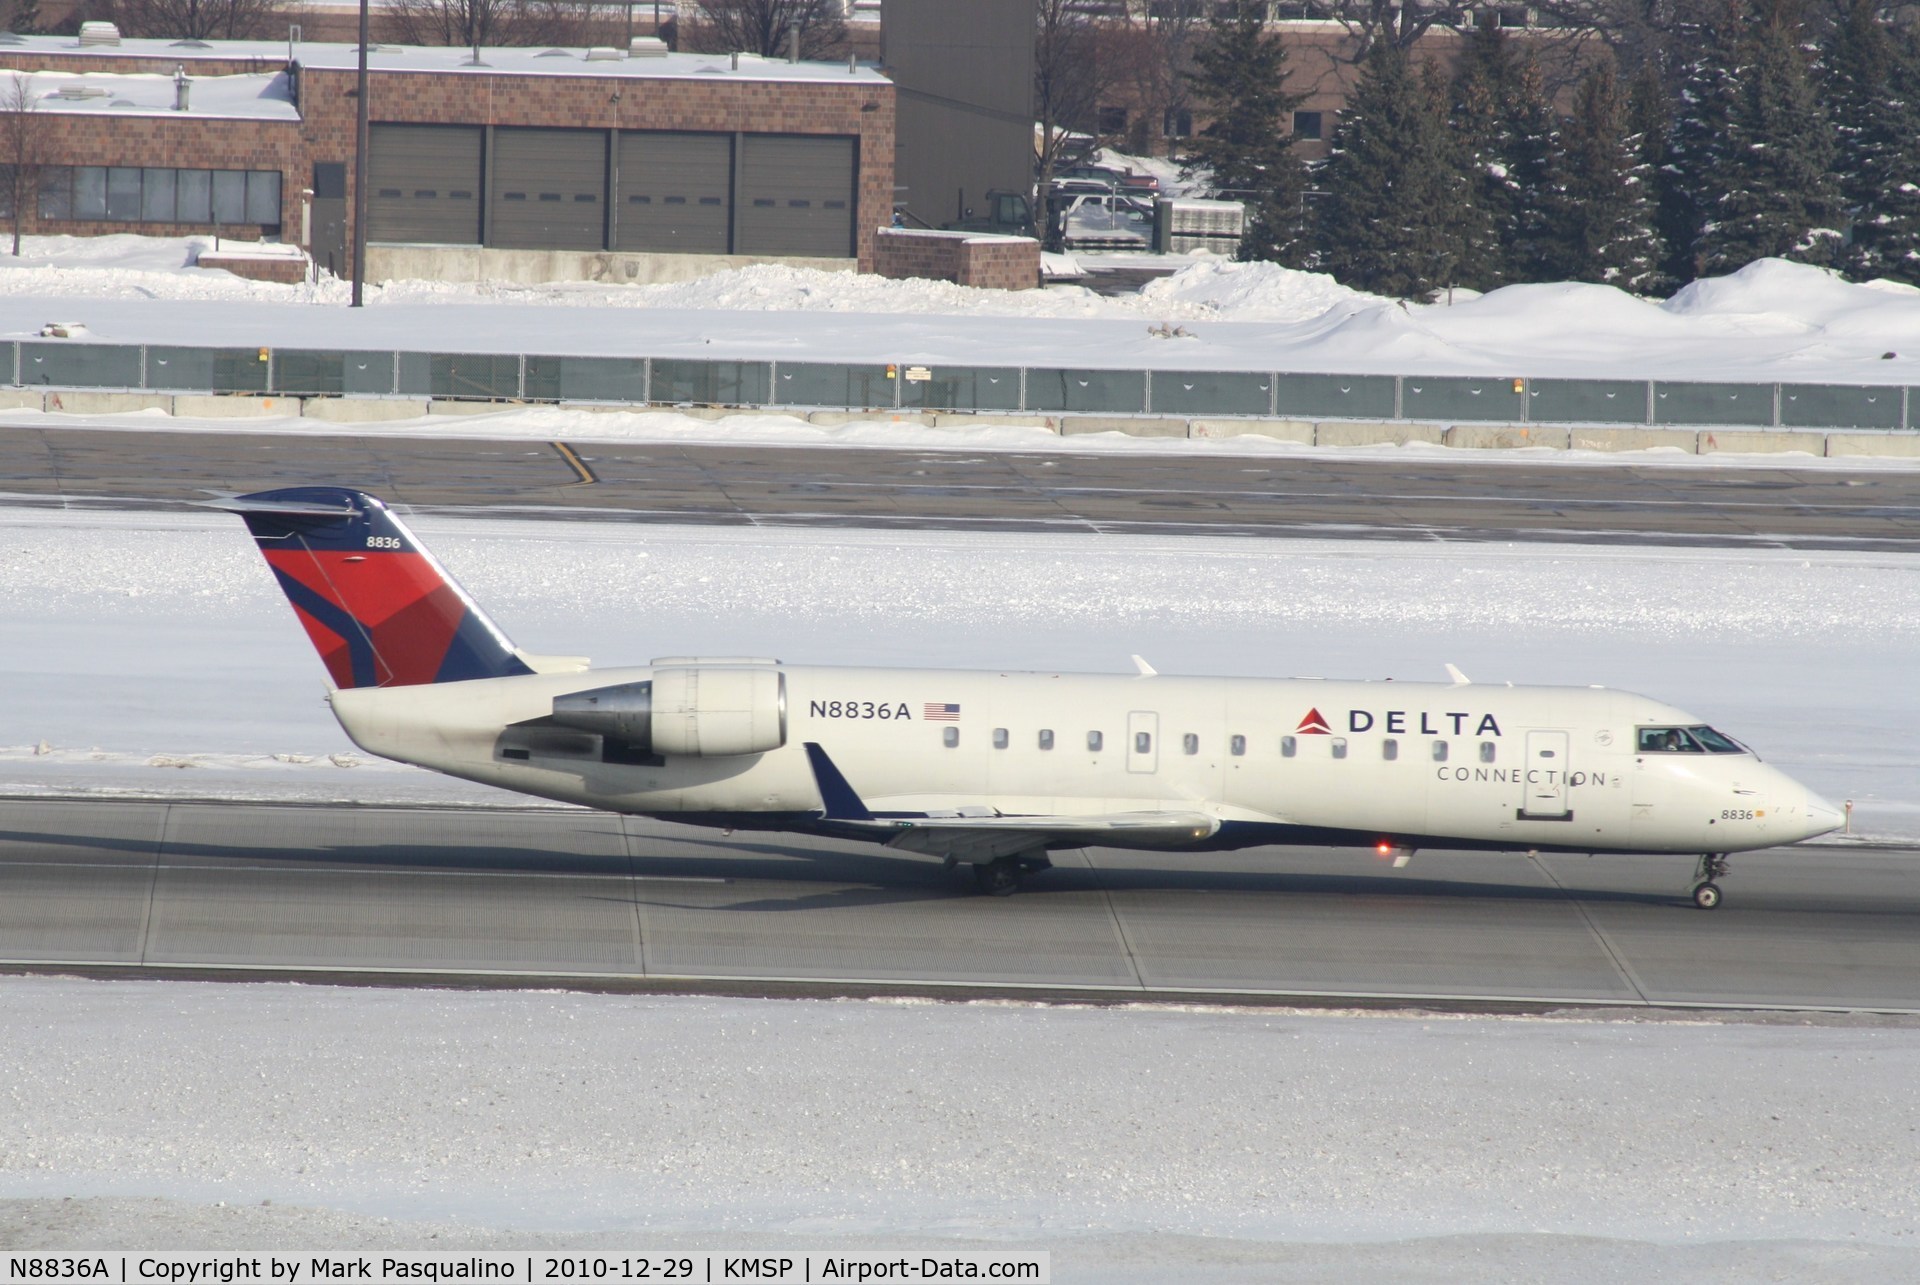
pixel 1821 817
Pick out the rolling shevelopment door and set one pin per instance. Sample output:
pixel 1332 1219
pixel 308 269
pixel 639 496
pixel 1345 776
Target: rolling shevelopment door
pixel 676 193
pixel 548 190
pixel 424 184
pixel 796 195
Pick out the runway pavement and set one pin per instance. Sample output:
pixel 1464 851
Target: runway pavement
pixel 512 895
pixel 1455 498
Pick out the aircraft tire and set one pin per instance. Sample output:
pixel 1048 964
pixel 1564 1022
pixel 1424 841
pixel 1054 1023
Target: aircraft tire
pixel 999 878
pixel 1707 896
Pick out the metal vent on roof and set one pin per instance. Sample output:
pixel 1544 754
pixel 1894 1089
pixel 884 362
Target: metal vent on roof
pixel 646 47
pixel 554 53
pixel 12 38
pixel 99 33
pixel 122 102
pixel 189 44
pixel 604 53
pixel 79 93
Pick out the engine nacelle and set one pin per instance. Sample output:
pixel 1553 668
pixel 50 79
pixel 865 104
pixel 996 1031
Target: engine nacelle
pixel 703 712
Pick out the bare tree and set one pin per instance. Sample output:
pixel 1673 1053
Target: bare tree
pixel 765 27
pixel 1068 86
pixel 199 19
pixel 1152 58
pixel 22 148
pixel 483 22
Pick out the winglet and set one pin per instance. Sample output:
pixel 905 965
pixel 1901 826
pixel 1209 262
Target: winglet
pixel 842 804
pixel 1459 679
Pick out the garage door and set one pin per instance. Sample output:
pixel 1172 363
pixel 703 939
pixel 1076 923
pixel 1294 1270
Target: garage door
pixel 796 195
pixel 424 184
pixel 676 193
pixel 548 190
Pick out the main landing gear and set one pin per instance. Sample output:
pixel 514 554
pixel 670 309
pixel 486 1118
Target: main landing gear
pixel 999 878
pixel 1706 893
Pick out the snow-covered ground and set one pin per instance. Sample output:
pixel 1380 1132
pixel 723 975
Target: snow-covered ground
pixel 153 653
pixel 1772 321
pixel 1136 1144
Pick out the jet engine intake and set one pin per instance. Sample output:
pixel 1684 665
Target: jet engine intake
pixel 705 712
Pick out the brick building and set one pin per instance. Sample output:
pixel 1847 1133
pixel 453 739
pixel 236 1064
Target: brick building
pixel 508 164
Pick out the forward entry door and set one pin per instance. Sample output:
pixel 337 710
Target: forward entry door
pixel 1546 797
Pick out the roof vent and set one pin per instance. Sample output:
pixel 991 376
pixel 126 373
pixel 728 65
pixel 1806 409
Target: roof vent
pixel 12 38
pixel 553 53
pixel 646 47
pixel 98 33
pixel 189 44
pixel 79 93
pixel 604 53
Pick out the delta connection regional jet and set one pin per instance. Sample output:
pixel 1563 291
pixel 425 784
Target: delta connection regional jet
pixel 996 770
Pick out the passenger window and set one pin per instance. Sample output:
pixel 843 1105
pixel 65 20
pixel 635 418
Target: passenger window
pixel 1143 742
pixel 999 738
pixel 1190 743
pixel 1390 749
pixel 1236 745
pixel 1486 751
pixel 1339 747
pixel 1439 751
pixel 1289 746
pixel 1046 738
pixel 1095 741
pixel 950 736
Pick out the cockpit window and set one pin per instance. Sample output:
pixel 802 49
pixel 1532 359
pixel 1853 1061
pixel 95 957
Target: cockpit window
pixel 1686 740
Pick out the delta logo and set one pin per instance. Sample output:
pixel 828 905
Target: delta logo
pixel 1313 725
pixel 1398 722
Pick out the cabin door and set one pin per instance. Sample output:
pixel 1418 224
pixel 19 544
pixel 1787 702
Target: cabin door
pixel 1143 742
pixel 1545 796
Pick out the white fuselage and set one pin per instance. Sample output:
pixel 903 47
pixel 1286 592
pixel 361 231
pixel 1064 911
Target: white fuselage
pixel 1401 763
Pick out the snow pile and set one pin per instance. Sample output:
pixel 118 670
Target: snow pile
pixel 636 1120
pixel 1249 292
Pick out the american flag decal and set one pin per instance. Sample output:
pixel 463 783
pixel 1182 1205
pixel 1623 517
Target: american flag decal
pixel 937 712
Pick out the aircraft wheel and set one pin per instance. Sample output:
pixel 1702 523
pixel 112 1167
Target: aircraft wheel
pixel 999 878
pixel 1707 896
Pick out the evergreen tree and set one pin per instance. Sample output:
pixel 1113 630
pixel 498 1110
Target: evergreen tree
pixel 1503 128
pixel 1776 193
pixel 1239 79
pixel 1385 222
pixel 1650 123
pixel 1599 210
pixel 1872 93
pixel 1698 156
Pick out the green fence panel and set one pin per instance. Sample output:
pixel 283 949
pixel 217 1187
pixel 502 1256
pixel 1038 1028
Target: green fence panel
pixel 1749 405
pixel 1839 406
pixel 216 370
pixel 807 383
pixel 960 387
pixel 489 376
pixel 709 383
pixel 72 365
pixel 1335 396
pixel 1210 392
pixel 413 374
pixel 1109 392
pixel 587 379
pixel 1450 397
pixel 1586 401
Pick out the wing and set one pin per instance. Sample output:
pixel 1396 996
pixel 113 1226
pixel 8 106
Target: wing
pixel 984 838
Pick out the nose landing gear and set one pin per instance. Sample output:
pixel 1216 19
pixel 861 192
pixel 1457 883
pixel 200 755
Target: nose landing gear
pixel 1706 893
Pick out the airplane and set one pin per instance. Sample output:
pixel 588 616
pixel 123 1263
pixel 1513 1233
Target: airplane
pixel 995 770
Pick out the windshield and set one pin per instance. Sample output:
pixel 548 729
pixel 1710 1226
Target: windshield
pixel 1686 740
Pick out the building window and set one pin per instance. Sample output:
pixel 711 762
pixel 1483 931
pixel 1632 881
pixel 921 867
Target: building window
pixel 950 737
pixel 1176 122
pixel 1309 125
pixel 1113 120
pixel 125 194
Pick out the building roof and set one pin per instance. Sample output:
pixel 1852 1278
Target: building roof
pixel 264 96
pixel 444 59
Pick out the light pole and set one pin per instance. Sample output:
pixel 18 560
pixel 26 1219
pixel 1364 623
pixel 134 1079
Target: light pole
pixel 360 168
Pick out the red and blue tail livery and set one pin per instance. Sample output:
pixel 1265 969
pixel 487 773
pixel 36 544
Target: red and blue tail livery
pixel 380 610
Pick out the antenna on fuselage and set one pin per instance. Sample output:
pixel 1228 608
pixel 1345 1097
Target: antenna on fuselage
pixel 1459 679
pixel 1146 670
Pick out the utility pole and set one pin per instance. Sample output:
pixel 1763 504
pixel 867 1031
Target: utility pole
pixel 360 169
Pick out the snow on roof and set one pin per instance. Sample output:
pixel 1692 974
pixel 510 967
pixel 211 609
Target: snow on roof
pixel 455 59
pixel 265 96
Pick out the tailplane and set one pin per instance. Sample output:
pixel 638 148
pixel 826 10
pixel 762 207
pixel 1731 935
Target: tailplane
pixel 380 610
